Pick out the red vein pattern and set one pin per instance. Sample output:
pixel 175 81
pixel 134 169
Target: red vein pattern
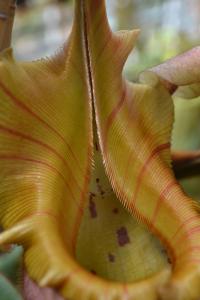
pixel 82 202
pixel 23 107
pixel 112 116
pixel 190 233
pixel 42 214
pixel 15 157
pixel 126 293
pixel 103 48
pixel 40 143
pixel 189 250
pixel 133 209
pixel 162 195
pixel 153 154
pixel 185 223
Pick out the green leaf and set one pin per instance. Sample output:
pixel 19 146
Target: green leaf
pixel 8 291
pixel 10 264
pixel 11 274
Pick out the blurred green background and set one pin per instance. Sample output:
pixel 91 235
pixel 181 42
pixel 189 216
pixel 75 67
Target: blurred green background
pixel 167 27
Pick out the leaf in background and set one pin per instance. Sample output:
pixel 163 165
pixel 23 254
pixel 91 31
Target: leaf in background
pixel 186 134
pixel 49 112
pixel 188 92
pixel 11 274
pixel 11 264
pixel 181 70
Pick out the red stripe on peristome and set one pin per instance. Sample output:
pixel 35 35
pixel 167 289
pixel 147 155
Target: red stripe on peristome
pixel 190 260
pixel 42 214
pixel 126 170
pixel 188 234
pixel 15 157
pixel 190 249
pixel 38 142
pixel 153 154
pixel 126 293
pixel 112 117
pixel 130 154
pixel 23 107
pixel 186 222
pixel 165 191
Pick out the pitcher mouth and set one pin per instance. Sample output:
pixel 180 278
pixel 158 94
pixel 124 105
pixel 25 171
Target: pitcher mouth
pixel 83 284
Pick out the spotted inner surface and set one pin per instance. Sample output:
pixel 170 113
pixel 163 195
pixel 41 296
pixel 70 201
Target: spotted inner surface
pixel 111 243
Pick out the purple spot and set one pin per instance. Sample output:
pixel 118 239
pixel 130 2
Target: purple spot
pixel 111 257
pixel 122 236
pixel 97 180
pixel 115 210
pixel 93 272
pixel 92 208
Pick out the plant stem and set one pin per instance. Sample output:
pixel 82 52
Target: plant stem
pixel 7 12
